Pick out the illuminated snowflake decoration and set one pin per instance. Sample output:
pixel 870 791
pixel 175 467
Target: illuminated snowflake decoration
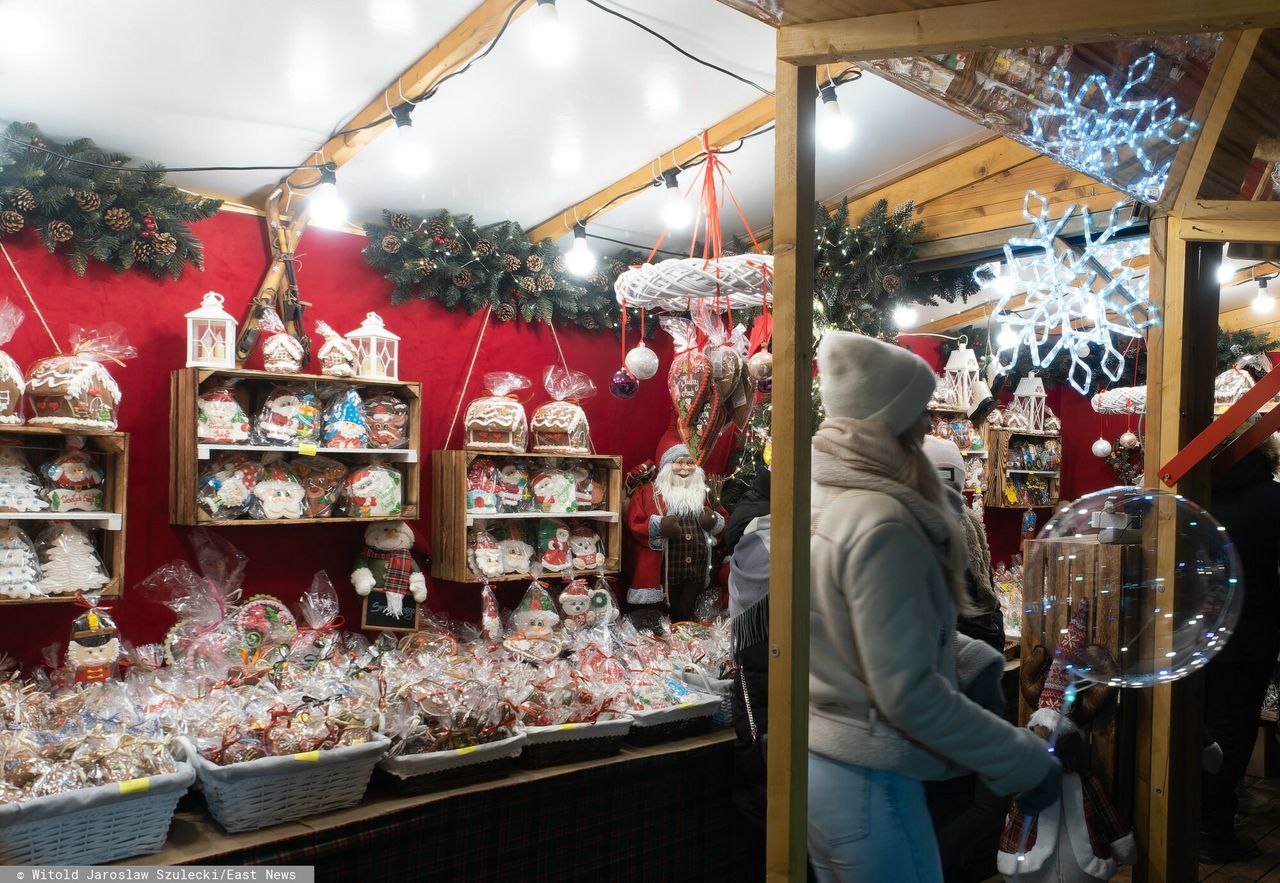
pixel 1076 298
pixel 1112 135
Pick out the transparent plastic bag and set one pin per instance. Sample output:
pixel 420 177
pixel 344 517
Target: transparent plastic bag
pixel 589 490
pixel 74 479
pixel 337 355
pixel 20 489
pixel 75 390
pixel 484 556
pixel 554 491
pixel 225 487
pixel 321 479
pixel 585 547
pixel 513 487
pixel 289 416
pixel 517 551
pixel 482 487
pixel 387 417
pixel 536 617
pixel 319 638
pixel 94 648
pixel 12 383
pixel 497 421
pixel 560 426
pixel 19 564
pixel 68 561
pixel 282 353
pixel 344 421
pixel 220 420
pixel 504 383
pixel 374 489
pixel 278 492
pixel 553 545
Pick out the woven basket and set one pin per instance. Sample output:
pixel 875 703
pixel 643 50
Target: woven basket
pixel 742 281
pixel 93 826
pixel 257 793
pixel 690 718
pixel 437 770
pixel 723 688
pixel 570 743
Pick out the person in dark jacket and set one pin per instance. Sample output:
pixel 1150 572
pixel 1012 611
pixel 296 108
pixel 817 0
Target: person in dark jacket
pixel 747 541
pixel 1246 501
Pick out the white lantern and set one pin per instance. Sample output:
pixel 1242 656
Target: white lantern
pixel 377 349
pixel 962 373
pixel 211 335
pixel 1028 400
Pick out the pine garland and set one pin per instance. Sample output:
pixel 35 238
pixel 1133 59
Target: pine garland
pixel 90 213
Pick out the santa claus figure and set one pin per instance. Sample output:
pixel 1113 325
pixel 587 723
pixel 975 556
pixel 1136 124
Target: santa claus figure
pixel 675 523
pixel 1080 838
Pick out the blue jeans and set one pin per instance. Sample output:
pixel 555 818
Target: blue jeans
pixel 869 825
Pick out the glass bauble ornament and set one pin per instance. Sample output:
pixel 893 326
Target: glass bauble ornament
pixel 760 366
pixel 1129 440
pixel 623 384
pixel 642 362
pixel 1102 448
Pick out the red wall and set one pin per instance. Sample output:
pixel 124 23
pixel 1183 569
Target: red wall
pixel 341 288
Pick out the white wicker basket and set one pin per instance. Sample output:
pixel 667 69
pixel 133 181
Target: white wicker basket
pixel 615 725
pixel 407 766
pixel 257 793
pixel 723 688
pixel 698 705
pixel 743 281
pixel 93 826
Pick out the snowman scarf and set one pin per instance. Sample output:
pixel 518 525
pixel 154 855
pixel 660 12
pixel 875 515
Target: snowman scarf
pixel 399 566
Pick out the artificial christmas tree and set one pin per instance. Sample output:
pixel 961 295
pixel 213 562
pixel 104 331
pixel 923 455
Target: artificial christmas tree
pixel 68 561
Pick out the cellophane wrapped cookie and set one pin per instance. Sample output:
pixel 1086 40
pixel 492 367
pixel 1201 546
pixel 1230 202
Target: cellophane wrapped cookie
pixel 375 489
pixel 282 353
pixel 337 355
pixel 74 479
pixel 225 487
pixel 553 545
pixel 320 639
pixel 516 541
pixel 482 487
pixel 589 490
pixel 387 417
pixel 278 492
pixel 265 628
pixel 585 547
pixel 19 563
pixel 20 489
pixel 69 563
pixel 289 416
pixel 75 390
pixel 560 425
pixel 12 383
pixel 554 491
pixel 513 486
pixel 344 422
pixel 536 617
pixel 220 419
pixel 496 421
pixel 483 555
pixel 321 479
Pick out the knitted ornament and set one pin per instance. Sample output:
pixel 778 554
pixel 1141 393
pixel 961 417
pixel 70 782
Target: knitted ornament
pixel 534 263
pixel 484 247
pixel 11 222
pixel 511 263
pixel 164 244
pixel 22 199
pixel 399 221
pixel 60 231
pixel 88 200
pixel 390 244
pixel 117 219
pixel 1051 714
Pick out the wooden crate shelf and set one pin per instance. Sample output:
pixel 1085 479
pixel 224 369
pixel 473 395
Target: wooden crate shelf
pixel 187 452
pixel 998 442
pixel 450 519
pixel 107 528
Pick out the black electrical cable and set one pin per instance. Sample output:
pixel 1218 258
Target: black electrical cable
pixel 632 245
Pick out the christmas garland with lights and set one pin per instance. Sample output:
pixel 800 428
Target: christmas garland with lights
pixel 83 204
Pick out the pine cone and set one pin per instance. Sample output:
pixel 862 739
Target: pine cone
pixel 600 280
pixel 60 231
pixel 22 199
pixel 589 323
pixel 36 144
pixel 117 219
pixel 534 263
pixel 617 268
pixel 88 200
pixel 11 222
pixel 485 247
pixel 528 283
pixel 504 312
pixel 425 266
pixel 511 263
pixel 891 283
pixel 142 250
pixel 400 221
pixel 546 282
pixel 825 272
pixel 558 265
pixel 462 278
pixel 453 246
pixel 390 244
pixel 164 244
pixel 436 227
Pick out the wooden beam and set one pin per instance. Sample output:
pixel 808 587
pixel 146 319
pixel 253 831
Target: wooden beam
pixel 981 220
pixel 1212 107
pixel 1013 23
pixel 1230 231
pixel 1231 210
pixel 972 316
pixel 740 124
pixel 793 257
pixel 457 47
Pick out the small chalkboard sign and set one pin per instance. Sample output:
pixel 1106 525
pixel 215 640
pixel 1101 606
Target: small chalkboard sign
pixel 377 615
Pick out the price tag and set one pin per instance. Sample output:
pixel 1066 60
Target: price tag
pixel 467 749
pixel 135 786
pixel 686 705
pixel 307 449
pixel 567 727
pixel 310 756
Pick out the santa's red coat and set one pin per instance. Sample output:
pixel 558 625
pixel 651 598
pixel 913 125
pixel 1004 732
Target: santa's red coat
pixel 643 507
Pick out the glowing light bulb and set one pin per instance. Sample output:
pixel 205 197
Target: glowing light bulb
pixel 1005 282
pixel 906 317
pixel 1264 302
pixel 325 207
pixel 1225 274
pixel 551 41
pixel 676 213
pixel 580 260
pixel 21 33
pixel 409 155
pixel 1007 339
pixel 835 130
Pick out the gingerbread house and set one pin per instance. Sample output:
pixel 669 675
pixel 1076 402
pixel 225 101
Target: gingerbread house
pixel 337 355
pixel 282 353
pixel 560 428
pixel 12 387
pixel 72 392
pixel 498 424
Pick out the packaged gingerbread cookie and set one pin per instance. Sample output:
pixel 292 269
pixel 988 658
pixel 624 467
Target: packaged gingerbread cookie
pixel 225 487
pixel 12 383
pixel 337 355
pixel 554 490
pixel 560 425
pixel 220 419
pixel 387 417
pixel 75 390
pixel 282 353
pixel 289 416
pixel 321 479
pixel 482 487
pixel 344 423
pixel 373 490
pixel 74 479
pixel 513 486
pixel 278 493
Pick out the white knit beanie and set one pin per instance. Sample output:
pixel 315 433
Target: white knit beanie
pixel 946 458
pixel 868 379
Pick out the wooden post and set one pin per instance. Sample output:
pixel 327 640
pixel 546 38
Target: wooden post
pixel 1179 405
pixel 793 256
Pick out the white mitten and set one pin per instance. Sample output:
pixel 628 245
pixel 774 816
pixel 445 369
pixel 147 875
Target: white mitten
pixel 362 579
pixel 418 586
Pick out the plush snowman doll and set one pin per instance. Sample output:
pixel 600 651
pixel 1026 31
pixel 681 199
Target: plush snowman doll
pixel 386 565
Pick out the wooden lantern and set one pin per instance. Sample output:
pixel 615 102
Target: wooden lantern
pixel 211 335
pixel 377 349
pixel 1028 400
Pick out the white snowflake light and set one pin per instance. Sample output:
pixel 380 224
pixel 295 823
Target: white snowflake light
pixel 1076 299
pixel 1112 135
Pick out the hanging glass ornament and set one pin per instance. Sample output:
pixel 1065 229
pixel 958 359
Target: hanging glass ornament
pixel 642 362
pixel 623 384
pixel 1102 448
pixel 1129 440
pixel 760 366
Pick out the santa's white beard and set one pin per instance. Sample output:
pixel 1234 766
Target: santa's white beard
pixel 682 496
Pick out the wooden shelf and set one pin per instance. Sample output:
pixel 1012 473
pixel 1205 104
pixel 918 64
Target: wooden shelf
pixel 591 515
pixel 406 455
pixel 1032 472
pixel 530 455
pixel 546 575
pixel 110 590
pixel 972 453
pixel 997 442
pixel 104 520
pixel 28 429
pixel 250 374
pixel 405 515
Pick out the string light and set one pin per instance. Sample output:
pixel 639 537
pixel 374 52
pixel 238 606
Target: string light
pixel 580 260
pixel 410 157
pixel 676 213
pixel 1101 132
pixel 324 206
pixel 1074 298
pixel 905 316
pixel 1264 302
pixel 550 37
pixel 835 130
